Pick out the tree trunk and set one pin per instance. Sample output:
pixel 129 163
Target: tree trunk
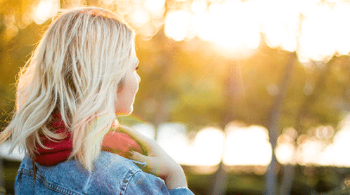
pixel 220 181
pixel 2 181
pixel 162 114
pixel 287 180
pixel 273 126
pixel 312 98
pixel 234 90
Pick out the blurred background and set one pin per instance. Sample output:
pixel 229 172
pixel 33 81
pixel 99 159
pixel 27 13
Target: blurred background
pixel 249 96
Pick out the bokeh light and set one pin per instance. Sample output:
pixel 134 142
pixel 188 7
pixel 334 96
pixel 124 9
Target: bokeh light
pixel 205 150
pixel 45 10
pixel 247 146
pixel 286 148
pixel 315 29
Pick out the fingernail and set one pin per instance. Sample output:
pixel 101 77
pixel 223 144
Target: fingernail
pixel 129 153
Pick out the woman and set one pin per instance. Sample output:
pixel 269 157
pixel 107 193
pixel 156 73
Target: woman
pixel 83 73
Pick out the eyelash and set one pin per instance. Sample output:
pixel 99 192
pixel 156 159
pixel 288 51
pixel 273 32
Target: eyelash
pixel 137 68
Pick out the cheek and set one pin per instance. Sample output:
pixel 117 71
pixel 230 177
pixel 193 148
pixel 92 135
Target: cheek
pixel 124 104
pixel 126 95
pixel 125 100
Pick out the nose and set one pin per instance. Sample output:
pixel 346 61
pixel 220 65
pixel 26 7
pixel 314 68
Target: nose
pixel 138 78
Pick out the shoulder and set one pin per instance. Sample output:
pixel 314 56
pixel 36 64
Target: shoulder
pixel 109 163
pixel 111 175
pixel 114 173
pixel 134 180
pixel 144 183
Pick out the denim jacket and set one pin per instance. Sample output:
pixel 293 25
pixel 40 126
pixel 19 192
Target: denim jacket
pixel 112 174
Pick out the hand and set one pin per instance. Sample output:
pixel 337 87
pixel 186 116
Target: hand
pixel 159 163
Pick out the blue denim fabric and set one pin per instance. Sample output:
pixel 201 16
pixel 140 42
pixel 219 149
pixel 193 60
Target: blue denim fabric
pixel 112 174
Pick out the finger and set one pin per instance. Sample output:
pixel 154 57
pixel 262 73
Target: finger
pixel 152 166
pixel 141 139
pixel 133 155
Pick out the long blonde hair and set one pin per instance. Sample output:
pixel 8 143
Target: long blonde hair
pixel 75 69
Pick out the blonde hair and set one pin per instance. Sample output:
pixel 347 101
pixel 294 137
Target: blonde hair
pixel 75 69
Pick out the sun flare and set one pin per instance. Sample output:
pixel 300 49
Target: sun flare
pixel 316 30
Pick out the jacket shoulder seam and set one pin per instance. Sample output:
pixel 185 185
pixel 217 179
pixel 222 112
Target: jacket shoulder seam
pixel 48 185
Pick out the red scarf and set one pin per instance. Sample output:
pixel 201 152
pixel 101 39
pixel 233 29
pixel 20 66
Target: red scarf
pixel 115 142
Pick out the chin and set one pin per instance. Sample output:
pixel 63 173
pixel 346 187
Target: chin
pixel 124 112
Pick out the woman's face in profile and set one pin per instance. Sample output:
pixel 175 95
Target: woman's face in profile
pixel 126 95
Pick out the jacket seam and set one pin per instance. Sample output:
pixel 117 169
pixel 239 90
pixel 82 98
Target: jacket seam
pixel 129 175
pixel 47 184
